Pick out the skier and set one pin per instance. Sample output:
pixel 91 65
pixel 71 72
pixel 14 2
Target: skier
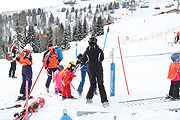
pixel 174 75
pixel 59 52
pixel 51 63
pixel 84 70
pixel 94 55
pixel 57 79
pixel 67 77
pixel 13 63
pixel 25 59
pixel 178 36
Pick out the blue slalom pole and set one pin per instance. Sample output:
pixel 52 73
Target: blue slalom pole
pixel 105 38
pixel 76 49
pixel 112 76
pixel 65 116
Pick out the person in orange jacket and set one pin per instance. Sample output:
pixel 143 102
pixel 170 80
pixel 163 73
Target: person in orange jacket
pixel 51 63
pixel 67 77
pixel 25 59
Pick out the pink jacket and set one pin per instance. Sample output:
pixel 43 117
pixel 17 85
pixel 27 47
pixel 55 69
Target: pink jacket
pixel 57 79
pixel 177 78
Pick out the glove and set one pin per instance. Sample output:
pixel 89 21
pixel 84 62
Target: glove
pixel 14 59
pixel 72 76
pixel 78 61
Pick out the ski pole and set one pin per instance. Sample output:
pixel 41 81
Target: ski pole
pixel 15 106
pixel 80 67
pixel 26 115
pixel 123 65
pixel 39 74
pixel 105 38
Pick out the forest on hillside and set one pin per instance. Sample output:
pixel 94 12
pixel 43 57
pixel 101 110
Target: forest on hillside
pixel 40 27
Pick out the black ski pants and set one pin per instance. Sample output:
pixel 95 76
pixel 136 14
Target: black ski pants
pixel 174 89
pixel 12 69
pixel 97 77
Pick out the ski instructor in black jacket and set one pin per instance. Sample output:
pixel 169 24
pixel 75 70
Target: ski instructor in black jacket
pixel 94 56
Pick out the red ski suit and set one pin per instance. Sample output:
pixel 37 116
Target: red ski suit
pixel 67 77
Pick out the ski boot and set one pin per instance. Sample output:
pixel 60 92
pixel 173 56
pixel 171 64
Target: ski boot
pixel 89 101
pixel 105 104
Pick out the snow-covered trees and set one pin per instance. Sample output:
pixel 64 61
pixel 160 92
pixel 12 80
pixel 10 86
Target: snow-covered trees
pixel 39 27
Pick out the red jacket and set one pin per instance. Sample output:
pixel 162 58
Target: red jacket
pixel 25 58
pixel 177 78
pixel 174 71
pixel 178 34
pixel 67 76
pixel 52 61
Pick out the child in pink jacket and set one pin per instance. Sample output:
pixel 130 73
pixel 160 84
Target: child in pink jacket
pixel 57 79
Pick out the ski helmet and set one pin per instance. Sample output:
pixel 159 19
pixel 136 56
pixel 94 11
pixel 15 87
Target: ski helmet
pixel 92 40
pixel 175 57
pixel 71 64
pixel 60 67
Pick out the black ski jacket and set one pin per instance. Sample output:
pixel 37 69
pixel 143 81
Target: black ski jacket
pixel 94 56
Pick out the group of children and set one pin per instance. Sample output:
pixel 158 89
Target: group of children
pixel 62 79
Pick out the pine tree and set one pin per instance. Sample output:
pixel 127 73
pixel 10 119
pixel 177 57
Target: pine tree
pixel 94 27
pixel 59 34
pixel 49 32
pixel 75 34
pixel 51 20
pixel 31 38
pixel 65 41
pixel 18 39
pixel 79 31
pixel 85 28
pixel 100 26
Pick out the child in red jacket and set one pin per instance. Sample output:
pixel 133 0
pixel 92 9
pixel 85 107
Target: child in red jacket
pixel 174 75
pixel 67 76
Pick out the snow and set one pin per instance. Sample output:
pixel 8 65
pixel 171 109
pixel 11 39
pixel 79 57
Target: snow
pixel 146 66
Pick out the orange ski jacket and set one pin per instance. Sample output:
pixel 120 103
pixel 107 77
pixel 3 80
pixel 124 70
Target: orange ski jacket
pixel 25 58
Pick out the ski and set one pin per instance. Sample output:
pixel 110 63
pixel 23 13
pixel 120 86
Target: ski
pixel 15 106
pixel 80 113
pixel 141 99
pixel 145 101
pixel 169 99
pixel 174 109
pixel 32 108
pixel 22 99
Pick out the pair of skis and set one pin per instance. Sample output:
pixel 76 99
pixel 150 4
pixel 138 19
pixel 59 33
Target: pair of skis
pixel 33 107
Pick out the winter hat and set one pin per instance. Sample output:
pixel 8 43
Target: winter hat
pixel 50 45
pixel 60 67
pixel 28 47
pixel 175 57
pixel 14 47
pixel 79 56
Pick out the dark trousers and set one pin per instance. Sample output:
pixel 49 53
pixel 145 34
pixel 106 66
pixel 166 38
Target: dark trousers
pixel 97 77
pixel 174 89
pixel 50 72
pixel 26 74
pixel 12 69
pixel 177 39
